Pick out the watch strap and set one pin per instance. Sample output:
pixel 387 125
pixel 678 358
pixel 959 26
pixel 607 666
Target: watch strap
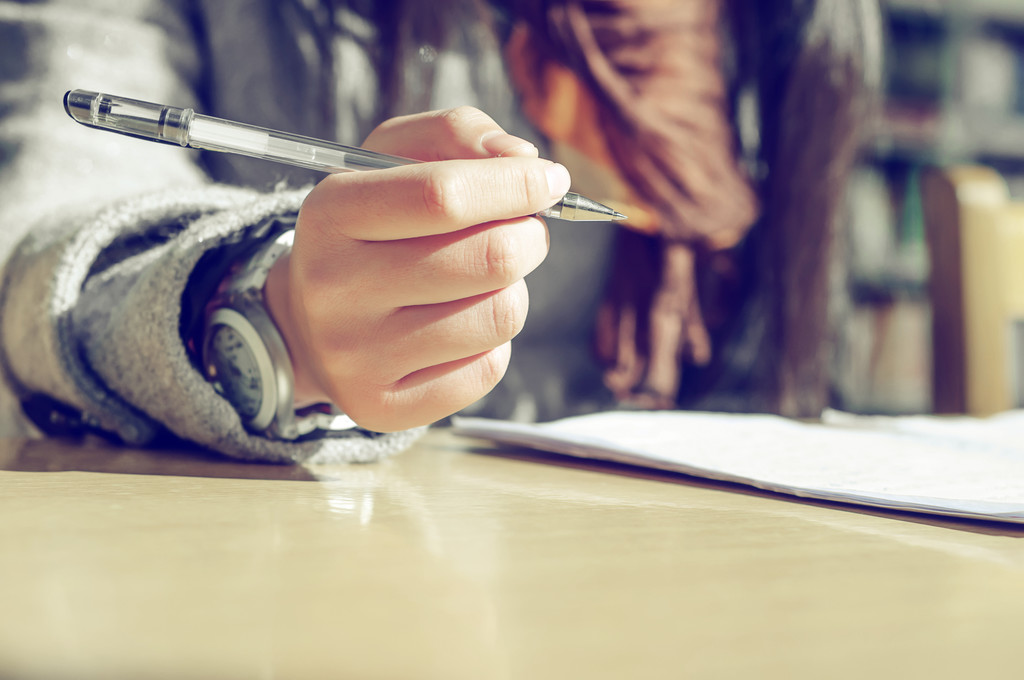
pixel 242 292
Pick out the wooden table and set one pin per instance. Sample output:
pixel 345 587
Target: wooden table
pixel 451 561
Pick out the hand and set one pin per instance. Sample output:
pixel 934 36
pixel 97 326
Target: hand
pixel 405 286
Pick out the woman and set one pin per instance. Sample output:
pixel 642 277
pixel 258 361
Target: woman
pixel 384 304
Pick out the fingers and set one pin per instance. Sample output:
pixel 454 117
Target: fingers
pixel 447 267
pixel 428 335
pixel 462 132
pixel 432 393
pixel 431 198
pixel 405 286
pixel 449 354
pixel 377 352
pixel 378 371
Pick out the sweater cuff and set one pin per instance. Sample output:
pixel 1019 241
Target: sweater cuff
pixel 108 341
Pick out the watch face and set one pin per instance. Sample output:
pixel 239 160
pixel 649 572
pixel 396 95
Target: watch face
pixel 233 365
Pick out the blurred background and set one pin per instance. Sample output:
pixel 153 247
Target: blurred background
pixel 953 96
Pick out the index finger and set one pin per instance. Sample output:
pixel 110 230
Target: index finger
pixel 434 198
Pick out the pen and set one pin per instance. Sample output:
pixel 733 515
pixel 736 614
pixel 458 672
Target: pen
pixel 173 125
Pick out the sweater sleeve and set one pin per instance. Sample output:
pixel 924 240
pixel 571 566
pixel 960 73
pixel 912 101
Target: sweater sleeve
pixel 101 234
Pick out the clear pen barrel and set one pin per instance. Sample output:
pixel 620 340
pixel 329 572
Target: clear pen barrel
pixel 174 125
pixel 215 134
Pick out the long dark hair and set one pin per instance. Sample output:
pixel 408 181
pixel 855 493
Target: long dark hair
pixel 807 65
pixel 815 67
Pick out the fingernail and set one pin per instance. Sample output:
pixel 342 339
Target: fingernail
pixel 558 180
pixel 504 144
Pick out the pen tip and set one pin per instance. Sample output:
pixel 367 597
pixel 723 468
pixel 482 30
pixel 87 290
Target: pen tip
pixel 617 215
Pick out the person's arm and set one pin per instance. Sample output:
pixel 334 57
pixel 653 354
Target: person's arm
pixel 101 233
pixel 91 318
pixel 54 180
pixel 397 304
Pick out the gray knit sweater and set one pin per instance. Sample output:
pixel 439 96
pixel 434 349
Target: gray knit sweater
pixel 100 233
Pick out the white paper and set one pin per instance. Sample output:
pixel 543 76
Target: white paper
pixel 963 467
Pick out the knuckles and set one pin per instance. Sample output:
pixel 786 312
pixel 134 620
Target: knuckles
pixel 504 253
pixel 503 258
pixel 456 119
pixel 508 312
pixel 444 196
pixel 389 408
pixel 490 369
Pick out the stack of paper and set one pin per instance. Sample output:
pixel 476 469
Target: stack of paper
pixel 963 467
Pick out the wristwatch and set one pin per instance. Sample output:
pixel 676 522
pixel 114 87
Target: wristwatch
pixel 245 357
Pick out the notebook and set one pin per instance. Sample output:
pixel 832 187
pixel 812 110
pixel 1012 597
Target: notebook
pixel 962 467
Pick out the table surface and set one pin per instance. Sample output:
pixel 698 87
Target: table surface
pixel 460 560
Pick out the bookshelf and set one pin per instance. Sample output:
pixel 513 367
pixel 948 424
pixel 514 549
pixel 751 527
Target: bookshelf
pixel 1009 11
pixel 953 92
pixel 954 87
